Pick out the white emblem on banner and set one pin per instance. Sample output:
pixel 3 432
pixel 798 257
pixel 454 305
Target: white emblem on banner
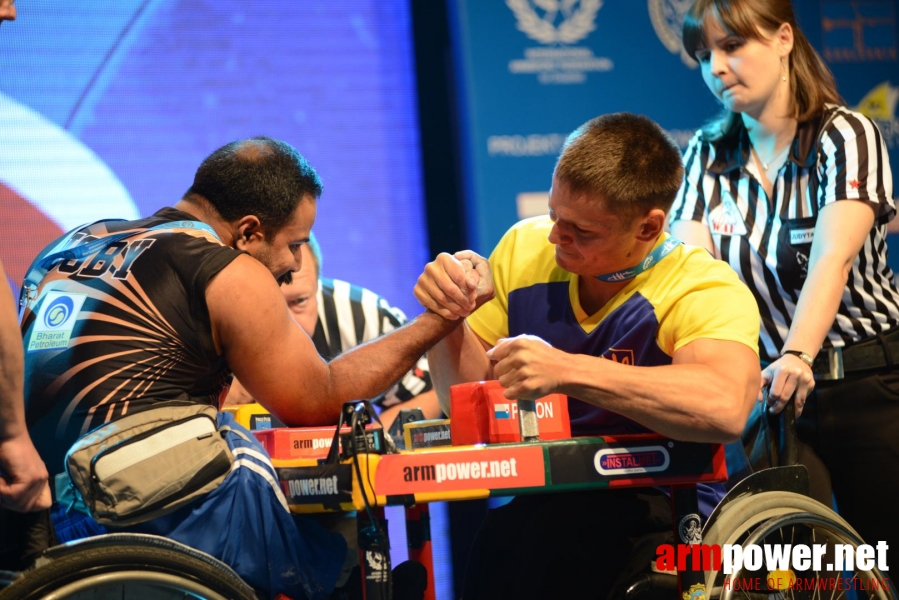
pixel 667 17
pixel 555 22
pixel 725 219
pixel 574 26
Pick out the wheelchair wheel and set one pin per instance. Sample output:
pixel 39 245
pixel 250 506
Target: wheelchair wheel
pixel 128 566
pixel 787 518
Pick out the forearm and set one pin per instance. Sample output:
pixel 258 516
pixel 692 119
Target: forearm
pixel 818 304
pixel 459 358
pixel 369 370
pixel 12 410
pixel 691 402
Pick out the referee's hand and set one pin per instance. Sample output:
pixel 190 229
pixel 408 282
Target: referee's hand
pixel 787 377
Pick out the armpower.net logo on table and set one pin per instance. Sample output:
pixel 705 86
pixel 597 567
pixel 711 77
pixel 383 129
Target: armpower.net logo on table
pixel 513 467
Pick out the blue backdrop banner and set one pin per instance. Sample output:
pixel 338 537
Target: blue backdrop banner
pixel 530 71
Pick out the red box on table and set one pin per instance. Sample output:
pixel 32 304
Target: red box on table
pixel 297 442
pixel 482 414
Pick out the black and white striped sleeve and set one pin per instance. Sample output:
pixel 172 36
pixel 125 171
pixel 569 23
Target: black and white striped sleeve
pixel 690 202
pixel 853 163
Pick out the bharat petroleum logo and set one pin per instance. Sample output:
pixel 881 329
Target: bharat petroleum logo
pixel 58 312
pixel 578 18
pixel 667 17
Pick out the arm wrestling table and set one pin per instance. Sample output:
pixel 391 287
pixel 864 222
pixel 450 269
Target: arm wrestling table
pixel 367 482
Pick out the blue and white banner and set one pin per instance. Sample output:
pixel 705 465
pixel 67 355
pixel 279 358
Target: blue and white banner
pixel 531 71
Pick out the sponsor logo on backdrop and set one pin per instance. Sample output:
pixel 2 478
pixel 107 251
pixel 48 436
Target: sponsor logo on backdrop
pixel 557 25
pixel 667 17
pixel 859 31
pixel 880 105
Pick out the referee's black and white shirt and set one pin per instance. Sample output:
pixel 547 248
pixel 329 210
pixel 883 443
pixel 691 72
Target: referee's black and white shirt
pixel 767 241
pixel 349 315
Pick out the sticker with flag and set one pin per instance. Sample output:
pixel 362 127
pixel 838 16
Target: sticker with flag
pixel 501 411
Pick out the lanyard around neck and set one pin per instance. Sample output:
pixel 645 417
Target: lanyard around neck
pixel 649 262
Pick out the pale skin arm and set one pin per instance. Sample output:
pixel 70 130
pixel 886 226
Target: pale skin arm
pixel 23 484
pixel 462 355
pixel 278 364
pixel 693 233
pixel 705 395
pixel 840 232
pixel 427 402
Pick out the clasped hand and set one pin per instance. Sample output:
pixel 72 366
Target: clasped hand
pixel 455 285
pixel 527 366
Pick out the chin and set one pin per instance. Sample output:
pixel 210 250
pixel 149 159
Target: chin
pixel 566 261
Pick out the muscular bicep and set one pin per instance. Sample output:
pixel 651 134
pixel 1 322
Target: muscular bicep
pixel 732 366
pixel 265 348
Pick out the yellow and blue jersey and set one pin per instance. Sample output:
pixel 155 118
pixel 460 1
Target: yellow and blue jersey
pixel 686 296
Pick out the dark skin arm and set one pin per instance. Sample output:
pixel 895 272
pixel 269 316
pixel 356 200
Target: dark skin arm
pixel 277 362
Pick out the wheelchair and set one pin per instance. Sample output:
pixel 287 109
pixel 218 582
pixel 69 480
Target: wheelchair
pixel 771 506
pixel 126 566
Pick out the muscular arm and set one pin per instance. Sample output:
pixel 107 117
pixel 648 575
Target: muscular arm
pixel 461 356
pixel 278 364
pixel 23 485
pixel 705 395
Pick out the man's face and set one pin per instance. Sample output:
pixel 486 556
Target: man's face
pixel 281 253
pixel 589 239
pixel 7 10
pixel 301 293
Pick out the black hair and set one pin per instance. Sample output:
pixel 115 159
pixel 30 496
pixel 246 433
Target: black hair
pixel 259 176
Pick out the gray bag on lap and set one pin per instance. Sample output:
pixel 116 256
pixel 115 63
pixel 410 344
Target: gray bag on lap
pixel 149 464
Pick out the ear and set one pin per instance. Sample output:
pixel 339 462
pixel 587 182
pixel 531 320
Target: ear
pixel 784 39
pixel 248 233
pixel 651 225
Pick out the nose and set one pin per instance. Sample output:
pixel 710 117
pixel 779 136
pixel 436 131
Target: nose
pixel 717 63
pixel 557 236
pixel 296 261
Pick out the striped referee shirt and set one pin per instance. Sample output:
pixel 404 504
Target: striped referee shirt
pixel 349 315
pixel 767 241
